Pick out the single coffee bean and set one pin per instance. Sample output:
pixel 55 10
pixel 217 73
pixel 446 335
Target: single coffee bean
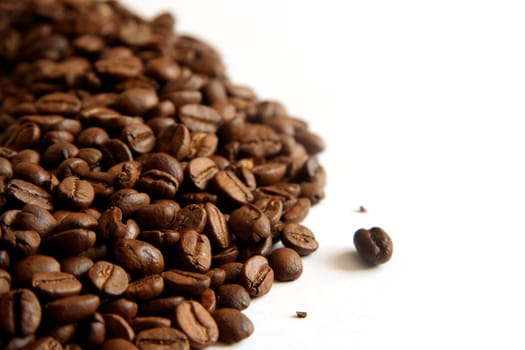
pixel 91 331
pixel 250 224
pixel 119 67
pixel 37 219
pixel 164 162
pixel 208 300
pixel 129 200
pixel 27 193
pixel 162 239
pixel 201 170
pixel 286 264
pixel 190 217
pixel 5 281
pixel 197 323
pixel 145 288
pixel 374 245
pixel 32 173
pixel 115 151
pixel 185 282
pixel 26 155
pixel 73 308
pixel 203 144
pixel 108 278
pixel 271 207
pixel 5 259
pixel 233 296
pixel 297 212
pixel 256 276
pixel 123 307
pixel 141 323
pixel 70 242
pixel 58 152
pixel 263 248
pixel 55 284
pixel 118 327
pixel 17 343
pixel 217 277
pixel 299 238
pixel 232 271
pixel 313 191
pixel 216 228
pixel 161 306
pixel 125 174
pixel 229 186
pixel 175 139
pixel 155 216
pixel 269 173
pixel 259 141
pixel 74 220
pixel 91 137
pixel 159 184
pixel 76 193
pixel 163 68
pixel 139 137
pixel 138 257
pixel 21 312
pixel 78 266
pixel 92 157
pixel 22 243
pixel 26 268
pixel 200 118
pixel 230 254
pixel 58 103
pixel 233 325
pixel 63 333
pixel 194 251
pixel 136 101
pixel 111 225
pixel 118 343
pixel 312 142
pixel 181 98
pixel 162 338
pixel 44 343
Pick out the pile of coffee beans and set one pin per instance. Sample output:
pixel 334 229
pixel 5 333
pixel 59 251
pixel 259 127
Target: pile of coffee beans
pixel 145 198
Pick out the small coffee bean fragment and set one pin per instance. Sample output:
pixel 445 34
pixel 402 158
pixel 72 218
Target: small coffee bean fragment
pixel 301 314
pixel 233 325
pixel 374 245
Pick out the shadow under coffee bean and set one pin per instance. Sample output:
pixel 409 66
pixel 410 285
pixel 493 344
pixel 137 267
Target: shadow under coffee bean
pixel 142 192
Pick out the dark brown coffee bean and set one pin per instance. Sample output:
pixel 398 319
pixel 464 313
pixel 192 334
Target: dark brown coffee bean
pixel 232 271
pixel 216 227
pixel 300 239
pixel 374 245
pixel 203 144
pixel 197 323
pixel 155 216
pixel 264 248
pixel 175 140
pixel 58 103
pixel 56 136
pixel 269 173
pixel 118 327
pixel 32 173
pixel 201 171
pixel 250 224
pixel 161 306
pixel 6 169
pixel 21 312
pixel 108 278
pixel 56 284
pixel 141 323
pixel 123 307
pixel 191 217
pixel 22 242
pixel 286 264
pixel 162 339
pixel 75 193
pixel 63 333
pixel 26 155
pixel 17 343
pixel 92 157
pixel 119 67
pixel 111 225
pixel 58 152
pixel 162 239
pixel 181 98
pixel 158 184
pixel 26 268
pixel 91 331
pixel 92 136
pixel 118 343
pixel 21 136
pixel 200 118
pixel 136 101
pixel 312 142
pixel 70 242
pixel 27 193
pixel 194 251
pixel 259 141
pixel 208 300
pixel 256 276
pixel 229 186
pixel 139 137
pixel 313 191
pixel 37 219
pixel 217 277
pixel 138 257
pixel 5 259
pixel 5 281
pixel 115 151
pixel 77 220
pixel 73 308
pixel 297 212
pixel 78 266
pixel 145 288
pixel 185 282
pixel 233 296
pixel 233 325
pixel 163 68
pixel 129 200
pixel 45 343
pixel 72 167
pixel 125 174
pixel 271 207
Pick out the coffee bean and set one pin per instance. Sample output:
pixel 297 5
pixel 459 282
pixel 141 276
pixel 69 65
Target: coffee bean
pixel 217 277
pixel 233 325
pixel 17 343
pixel 300 239
pixel 159 184
pixel 155 216
pixel 129 200
pixel 32 173
pixel 271 207
pixel 161 306
pixel 136 101
pixel 27 193
pixel 108 278
pixel 92 136
pixel 76 193
pixel 91 331
pixel 233 296
pixel 70 242
pixel 297 212
pixel 194 251
pixel 37 219
pixel 21 136
pixel 26 268
pixel 374 245
pixel 229 186
pixel 45 343
pixel 162 338
pixel 286 264
pixel 250 224
pixel 201 170
pixel 118 327
pixel 22 242
pixel 139 137
pixel 73 308
pixel 163 69
pixel 5 260
pixel 256 276
pixel 58 152
pixel 163 162
pixel 112 227
pixel 58 103
pixel 181 98
pixel 185 282
pixel 232 271
pixel 117 343
pixel 208 300
pixel 124 307
pixel 21 312
pixel 141 323
pixel 138 257
pixel 5 281
pixel 216 228
pixel 73 220
pixel 175 140
pixel 119 67
pixel 78 266
pixel 197 323
pixel 269 173
pixel 145 288
pixel 56 284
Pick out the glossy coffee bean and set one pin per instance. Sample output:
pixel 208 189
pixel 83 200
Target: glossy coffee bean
pixel 141 323
pixel 185 282
pixel 250 224
pixel 374 245
pixel 231 188
pixel 233 296
pixel 257 276
pixel 21 312
pixel 162 338
pixel 124 307
pixel 194 251
pixel 5 281
pixel 55 284
pixel 145 288
pixel 300 239
pixel 197 323
pixel 26 268
pixel 75 193
pixel 138 257
pixel 233 325
pixel 161 306
pixel 108 278
pixel 118 327
pixel 286 264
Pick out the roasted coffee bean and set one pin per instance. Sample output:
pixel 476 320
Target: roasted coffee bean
pixel 194 251
pixel 5 259
pixel 32 173
pixel 78 266
pixel 6 169
pixel 119 67
pixel 76 193
pixel 22 242
pixel 58 152
pixel 259 141
pixel 162 338
pixel 33 217
pixel 26 268
pixel 58 103
pixel 162 239
pixel 300 239
pixel 264 248
pixel 313 191
pixel 232 271
pixel 217 277
pixel 138 257
pixel 145 288
pixel 155 216
pixel 20 136
pixel 91 331
pixel 17 343
pixel 216 227
pixel 111 225
pixel 141 323
pixel 63 334
pixel 233 296
pixel 5 281
pixel 44 343
pixel 115 151
pixel 269 173
pixel 286 264
pixel 21 312
pixel 197 323
pixel 70 242
pixel 75 220
pixel 181 98
pixel 163 68
pixel 158 184
pixel 250 224
pixel 312 142
pixel 175 140
pixel 185 282
pixel 271 207
pixel 129 200
pixel 118 327
pixel 118 343
pixel 108 278
pixel 191 217
pixel 139 137
pixel 161 306
pixel 374 245
pixel 91 137
pixel 229 186
pixel 297 212
pixel 208 300
pixel 56 284
pixel 136 101
pixel 26 193
pixel 164 162
pixel 233 325
pixel 257 276
pixel 125 174
pixel 228 255
pixel 123 307
pixel 201 171
pixel 73 308
pixel 203 144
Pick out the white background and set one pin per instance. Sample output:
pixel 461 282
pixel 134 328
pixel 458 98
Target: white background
pixel 421 104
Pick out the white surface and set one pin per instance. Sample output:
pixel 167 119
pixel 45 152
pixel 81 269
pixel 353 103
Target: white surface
pixel 420 103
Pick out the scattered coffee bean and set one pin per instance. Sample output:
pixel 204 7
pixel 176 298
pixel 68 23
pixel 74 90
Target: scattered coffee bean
pixel 286 264
pixel 301 314
pixel 374 245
